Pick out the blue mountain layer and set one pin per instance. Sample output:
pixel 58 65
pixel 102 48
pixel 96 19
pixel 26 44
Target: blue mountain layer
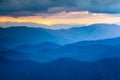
pixel 60 69
pixel 16 36
pixel 82 51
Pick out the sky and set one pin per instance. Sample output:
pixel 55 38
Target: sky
pixel 54 12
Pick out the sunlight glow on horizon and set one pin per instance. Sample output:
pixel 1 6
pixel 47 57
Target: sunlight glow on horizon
pixel 65 18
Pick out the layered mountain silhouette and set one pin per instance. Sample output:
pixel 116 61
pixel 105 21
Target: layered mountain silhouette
pixel 16 36
pixel 60 69
pixel 82 51
pixel 36 48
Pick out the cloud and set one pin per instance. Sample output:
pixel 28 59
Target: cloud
pixel 80 17
pixel 32 7
pixel 99 6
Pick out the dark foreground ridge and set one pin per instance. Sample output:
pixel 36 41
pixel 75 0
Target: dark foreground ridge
pixel 60 69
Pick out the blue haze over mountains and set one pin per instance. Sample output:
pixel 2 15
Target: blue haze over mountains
pixel 15 36
pixel 87 43
pixel 82 53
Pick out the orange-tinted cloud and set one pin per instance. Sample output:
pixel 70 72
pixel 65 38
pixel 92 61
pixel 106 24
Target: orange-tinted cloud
pixel 66 18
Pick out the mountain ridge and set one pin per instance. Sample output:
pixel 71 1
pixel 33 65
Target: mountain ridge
pixel 23 35
pixel 85 51
pixel 67 69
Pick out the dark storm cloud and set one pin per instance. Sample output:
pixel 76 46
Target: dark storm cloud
pixel 30 7
pixel 99 6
